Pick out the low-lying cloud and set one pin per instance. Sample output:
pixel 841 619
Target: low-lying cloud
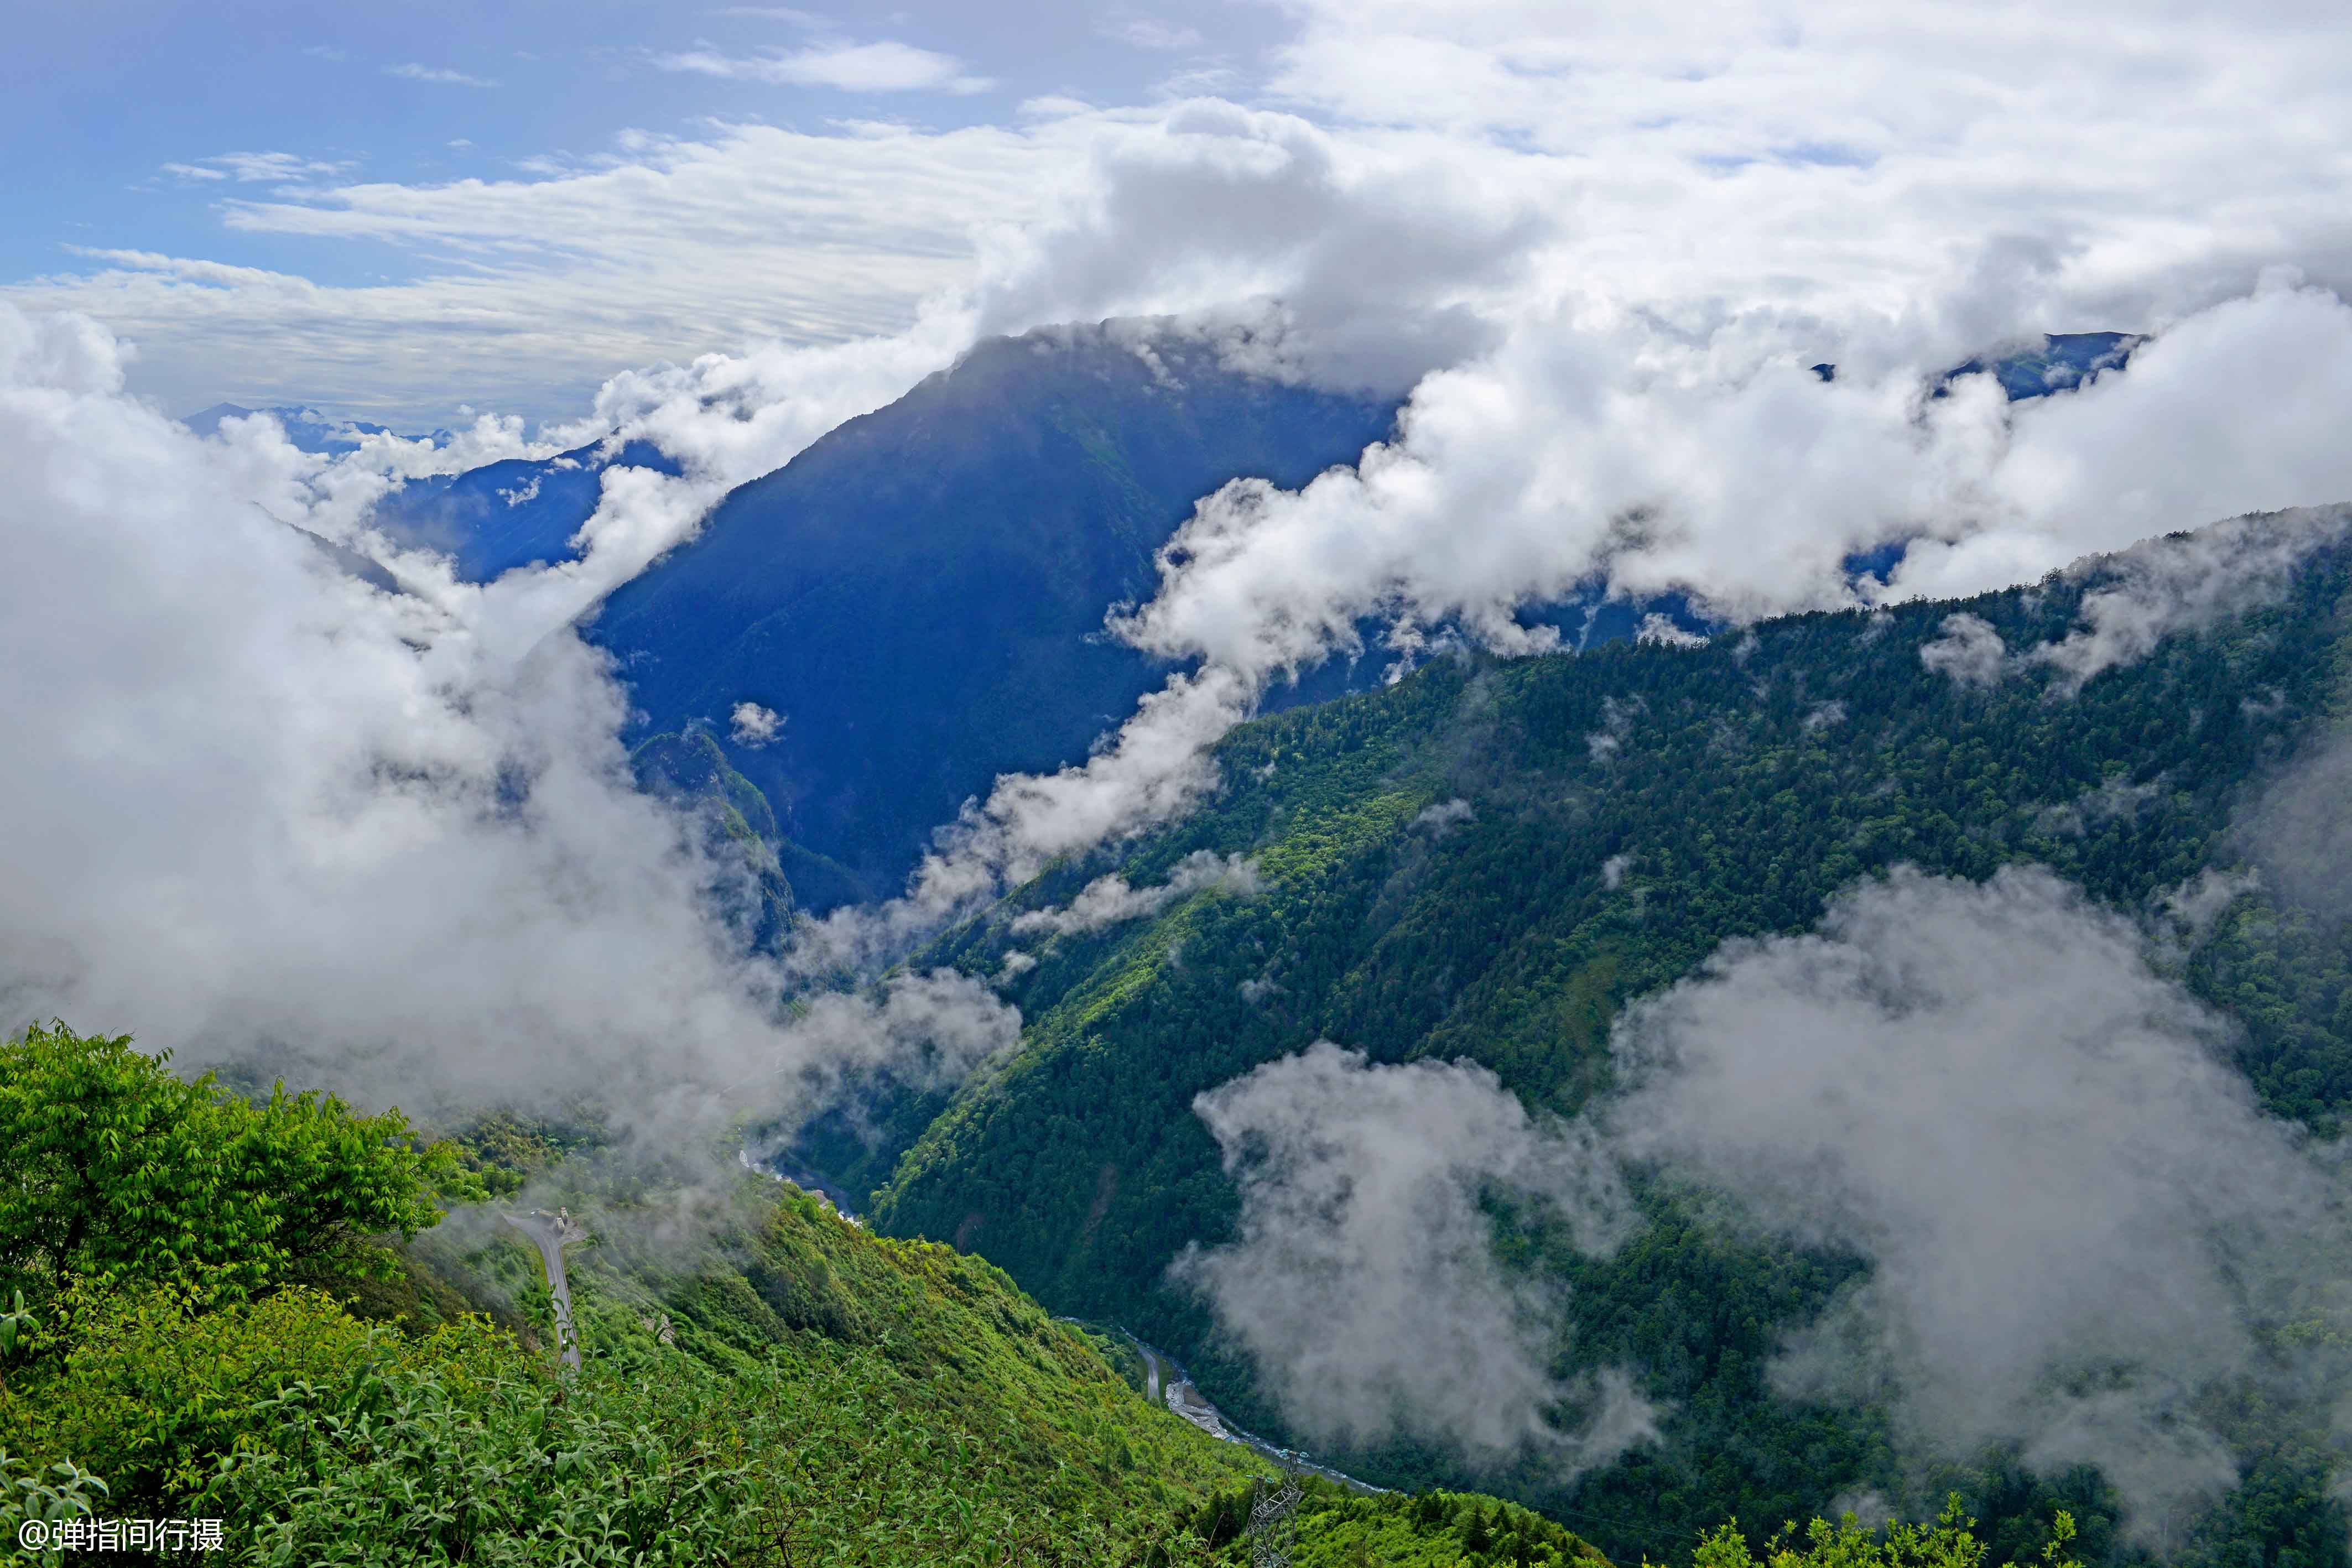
pixel 2079 1224
pixel 1968 649
pixel 2299 834
pixel 2081 1233
pixel 1363 1280
pixel 1748 487
pixel 1110 899
pixel 752 726
pixel 2184 582
pixel 388 841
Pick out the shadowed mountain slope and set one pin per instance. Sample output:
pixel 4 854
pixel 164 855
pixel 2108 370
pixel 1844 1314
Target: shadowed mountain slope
pixel 920 594
pixel 520 512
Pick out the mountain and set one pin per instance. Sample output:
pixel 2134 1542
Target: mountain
pixel 692 770
pixel 919 595
pixel 309 430
pixel 1490 860
pixel 2065 362
pixel 519 512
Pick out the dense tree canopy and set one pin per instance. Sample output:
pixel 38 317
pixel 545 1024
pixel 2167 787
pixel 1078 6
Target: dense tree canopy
pixel 1623 814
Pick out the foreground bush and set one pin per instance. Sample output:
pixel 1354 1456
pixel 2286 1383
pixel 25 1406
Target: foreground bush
pixel 117 1169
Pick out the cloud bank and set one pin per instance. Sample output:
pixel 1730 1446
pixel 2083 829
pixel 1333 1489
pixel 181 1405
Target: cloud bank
pixel 385 842
pixel 1580 459
pixel 2083 1234
pixel 1363 1280
pixel 2079 1224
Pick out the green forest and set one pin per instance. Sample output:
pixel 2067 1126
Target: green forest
pixel 1630 809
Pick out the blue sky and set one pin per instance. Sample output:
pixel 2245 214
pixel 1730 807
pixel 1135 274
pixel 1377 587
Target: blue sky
pixel 103 100
pixel 403 213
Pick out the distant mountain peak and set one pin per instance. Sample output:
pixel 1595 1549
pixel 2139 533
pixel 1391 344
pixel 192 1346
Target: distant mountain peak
pixel 309 430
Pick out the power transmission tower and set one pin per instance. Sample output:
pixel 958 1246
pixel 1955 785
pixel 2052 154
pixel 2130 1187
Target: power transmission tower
pixel 1273 1523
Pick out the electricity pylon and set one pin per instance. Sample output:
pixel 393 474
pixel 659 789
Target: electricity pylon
pixel 1273 1523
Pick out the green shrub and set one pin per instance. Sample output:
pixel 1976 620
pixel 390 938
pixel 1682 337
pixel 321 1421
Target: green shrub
pixel 117 1169
pixel 148 1387
pixel 1950 1542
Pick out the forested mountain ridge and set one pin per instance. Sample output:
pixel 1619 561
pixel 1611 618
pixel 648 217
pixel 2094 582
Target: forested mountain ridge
pixel 919 595
pixel 1489 860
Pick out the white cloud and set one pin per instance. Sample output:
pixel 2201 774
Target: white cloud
pixel 1109 900
pixel 1362 1279
pixel 1443 817
pixel 1151 33
pixel 1152 771
pixel 411 71
pixel 753 726
pixel 2081 1229
pixel 1748 489
pixel 2299 834
pixel 2077 1216
pixel 1259 224
pixel 755 234
pixel 389 841
pixel 2184 584
pixel 1662 631
pixel 1968 650
pixel 885 66
pixel 251 168
pixel 773 14
pixel 1688 168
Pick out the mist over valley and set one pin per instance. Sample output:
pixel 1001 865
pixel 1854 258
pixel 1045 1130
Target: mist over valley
pixel 1363 786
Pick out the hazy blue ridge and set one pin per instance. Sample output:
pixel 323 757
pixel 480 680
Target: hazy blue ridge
pixel 920 594
pixel 520 512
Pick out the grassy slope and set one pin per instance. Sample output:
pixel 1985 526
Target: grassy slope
pixel 778 1383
